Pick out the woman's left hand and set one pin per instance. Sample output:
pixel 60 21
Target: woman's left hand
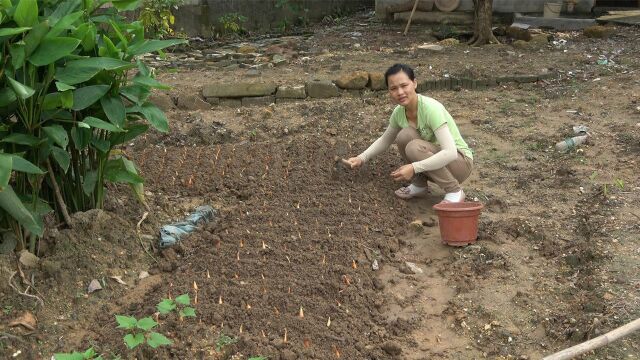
pixel 403 173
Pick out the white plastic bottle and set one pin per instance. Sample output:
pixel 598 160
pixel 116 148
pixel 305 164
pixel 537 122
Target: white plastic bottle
pixel 570 143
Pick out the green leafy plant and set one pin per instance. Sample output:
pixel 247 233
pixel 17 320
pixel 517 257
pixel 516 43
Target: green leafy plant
pixel 89 354
pixel 139 332
pixel 232 23
pixel 258 358
pixel 300 14
pixel 157 18
pixel 68 100
pixel 181 305
pixel 224 340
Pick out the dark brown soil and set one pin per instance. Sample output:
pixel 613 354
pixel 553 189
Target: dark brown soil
pixel 556 262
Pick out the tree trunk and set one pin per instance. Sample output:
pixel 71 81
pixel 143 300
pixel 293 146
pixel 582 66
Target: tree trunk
pixel 483 14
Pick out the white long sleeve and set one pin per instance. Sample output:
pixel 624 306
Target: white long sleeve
pixel 381 144
pixel 448 152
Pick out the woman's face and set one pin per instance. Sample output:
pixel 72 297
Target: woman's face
pixel 402 89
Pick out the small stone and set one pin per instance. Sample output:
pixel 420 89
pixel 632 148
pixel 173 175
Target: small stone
pixel 192 102
pixel 414 268
pixel 354 80
pixel 278 60
pixel 597 31
pixel 94 286
pixel 253 73
pixel 375 266
pixel 392 348
pixel 430 47
pixel 376 81
pixel 539 38
pixel 519 33
pixel 416 226
pixel 521 44
pixel 321 89
pixel 449 42
pixel 143 274
pixel 247 49
pixel 291 92
pixel 28 259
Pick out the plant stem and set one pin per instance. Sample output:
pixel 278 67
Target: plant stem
pixel 56 190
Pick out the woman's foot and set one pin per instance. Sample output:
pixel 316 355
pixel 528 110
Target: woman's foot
pixel 411 191
pixel 454 197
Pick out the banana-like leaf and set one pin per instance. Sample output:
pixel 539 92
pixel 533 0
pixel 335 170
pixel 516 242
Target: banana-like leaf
pixel 62 158
pixel 64 87
pixel 26 13
pixel 34 37
pixel 7 96
pixel 101 124
pixel 57 134
pixel 20 89
pixel 133 131
pixel 116 171
pixel 13 31
pixel 63 10
pixel 10 202
pixel 21 139
pixel 114 109
pixel 138 188
pixel 155 116
pixel 136 93
pixel 86 33
pixel 102 63
pixel 88 95
pixel 101 145
pixel 89 182
pixel 6 165
pixel 66 23
pixel 126 5
pixel 53 49
pixel 80 137
pixel 17 51
pixel 77 75
pixel 23 165
pixel 149 81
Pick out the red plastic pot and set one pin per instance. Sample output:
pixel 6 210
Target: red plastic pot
pixel 458 222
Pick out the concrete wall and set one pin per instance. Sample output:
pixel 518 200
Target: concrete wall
pixel 501 6
pixel 200 17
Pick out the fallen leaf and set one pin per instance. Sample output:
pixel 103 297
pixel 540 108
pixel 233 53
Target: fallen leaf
pixel 26 319
pixel 94 285
pixel 118 279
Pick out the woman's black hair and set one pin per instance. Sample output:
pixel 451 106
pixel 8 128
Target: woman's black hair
pixel 396 68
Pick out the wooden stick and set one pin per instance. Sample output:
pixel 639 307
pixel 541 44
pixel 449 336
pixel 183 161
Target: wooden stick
pixel 593 344
pixel 406 28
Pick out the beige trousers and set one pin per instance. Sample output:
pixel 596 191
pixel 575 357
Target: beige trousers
pixel 413 148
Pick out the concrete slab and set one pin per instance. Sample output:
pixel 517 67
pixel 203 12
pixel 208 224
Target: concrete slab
pixel 622 17
pixel 562 24
pixel 435 17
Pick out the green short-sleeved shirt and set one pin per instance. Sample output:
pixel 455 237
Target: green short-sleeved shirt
pixel 431 115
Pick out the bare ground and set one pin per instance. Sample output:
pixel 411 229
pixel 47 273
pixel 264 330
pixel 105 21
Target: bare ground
pixel 556 262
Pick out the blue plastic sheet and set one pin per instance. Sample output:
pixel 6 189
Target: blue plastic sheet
pixel 170 234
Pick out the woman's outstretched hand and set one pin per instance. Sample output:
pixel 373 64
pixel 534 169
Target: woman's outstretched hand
pixel 352 163
pixel 403 173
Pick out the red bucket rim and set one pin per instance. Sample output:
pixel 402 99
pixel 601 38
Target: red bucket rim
pixel 458 207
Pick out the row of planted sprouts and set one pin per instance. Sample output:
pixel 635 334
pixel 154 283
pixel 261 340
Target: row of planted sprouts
pixel 309 204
